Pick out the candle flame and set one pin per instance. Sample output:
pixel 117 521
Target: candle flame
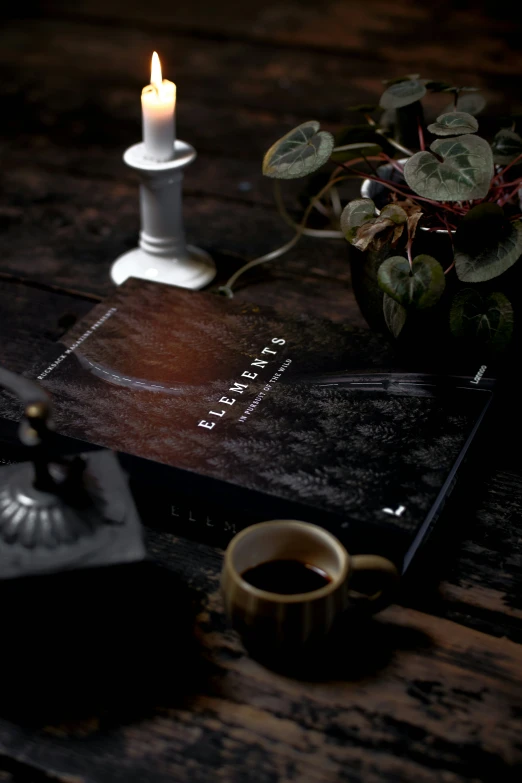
pixel 156 78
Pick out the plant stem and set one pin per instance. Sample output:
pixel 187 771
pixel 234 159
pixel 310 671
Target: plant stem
pixel 336 202
pixel 369 164
pixel 507 197
pixel 320 207
pixel 509 184
pixel 309 232
pixel 448 229
pixel 394 164
pixel 227 288
pixel 408 251
pixel 346 165
pixel 513 163
pixel 347 147
pixel 396 144
pixel 440 204
pixel 300 230
pixel 452 246
pixel 421 134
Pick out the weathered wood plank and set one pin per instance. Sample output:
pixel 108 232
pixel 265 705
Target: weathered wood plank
pixel 477 571
pixel 218 176
pixel 79 73
pixel 411 698
pixel 405 33
pixel 31 320
pixel 64 111
pixel 70 235
pixel 80 216
pixel 414 697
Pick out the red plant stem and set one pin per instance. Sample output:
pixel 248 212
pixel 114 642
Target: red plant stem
pixel 394 187
pixel 347 164
pixel 508 196
pixel 421 134
pixel 394 163
pixel 440 204
pixel 509 184
pixel 501 173
pixel 371 166
pixel 408 250
pixel 452 246
pixel 448 230
pixel 360 160
pixel 505 192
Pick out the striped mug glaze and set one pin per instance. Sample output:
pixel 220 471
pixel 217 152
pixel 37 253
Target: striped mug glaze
pixel 276 621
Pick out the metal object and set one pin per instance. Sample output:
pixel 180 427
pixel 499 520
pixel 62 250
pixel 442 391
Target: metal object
pixel 163 254
pixel 59 513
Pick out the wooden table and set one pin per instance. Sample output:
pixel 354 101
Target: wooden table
pixel 443 702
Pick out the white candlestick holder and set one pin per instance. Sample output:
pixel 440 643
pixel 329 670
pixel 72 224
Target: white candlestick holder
pixel 163 254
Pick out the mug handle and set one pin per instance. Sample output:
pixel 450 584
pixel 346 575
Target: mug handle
pixel 388 579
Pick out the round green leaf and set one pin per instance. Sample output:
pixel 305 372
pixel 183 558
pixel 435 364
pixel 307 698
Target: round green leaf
pixel 402 94
pixel 507 145
pixel 464 173
pixel 489 318
pixel 455 123
pixel 394 315
pixel 483 226
pixel 491 260
pixel 419 287
pixel 355 213
pixel 301 151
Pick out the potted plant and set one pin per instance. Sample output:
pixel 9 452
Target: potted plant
pixel 437 226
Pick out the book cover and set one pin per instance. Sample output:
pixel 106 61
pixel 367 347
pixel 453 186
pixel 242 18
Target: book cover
pixel 226 413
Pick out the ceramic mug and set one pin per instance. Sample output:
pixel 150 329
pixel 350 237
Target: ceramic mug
pixel 279 621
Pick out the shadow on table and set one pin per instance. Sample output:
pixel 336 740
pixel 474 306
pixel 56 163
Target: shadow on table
pixel 112 642
pixel 357 647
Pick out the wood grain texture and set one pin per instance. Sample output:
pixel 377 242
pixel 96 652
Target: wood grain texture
pixel 430 691
pixel 32 319
pixel 404 32
pixel 412 698
pixel 72 234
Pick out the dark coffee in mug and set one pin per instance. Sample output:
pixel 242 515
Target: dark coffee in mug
pixel 286 577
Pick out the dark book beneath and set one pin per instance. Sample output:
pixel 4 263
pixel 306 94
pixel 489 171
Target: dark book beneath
pixel 226 413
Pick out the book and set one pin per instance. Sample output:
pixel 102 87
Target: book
pixel 225 413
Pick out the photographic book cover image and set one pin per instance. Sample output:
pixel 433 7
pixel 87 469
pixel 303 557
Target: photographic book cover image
pixel 233 404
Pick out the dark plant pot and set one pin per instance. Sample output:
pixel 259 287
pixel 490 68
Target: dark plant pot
pixel 426 337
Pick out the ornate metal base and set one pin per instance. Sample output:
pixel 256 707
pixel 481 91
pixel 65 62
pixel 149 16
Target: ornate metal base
pixel 89 522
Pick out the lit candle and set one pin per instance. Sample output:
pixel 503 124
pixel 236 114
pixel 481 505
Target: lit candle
pixel 158 106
